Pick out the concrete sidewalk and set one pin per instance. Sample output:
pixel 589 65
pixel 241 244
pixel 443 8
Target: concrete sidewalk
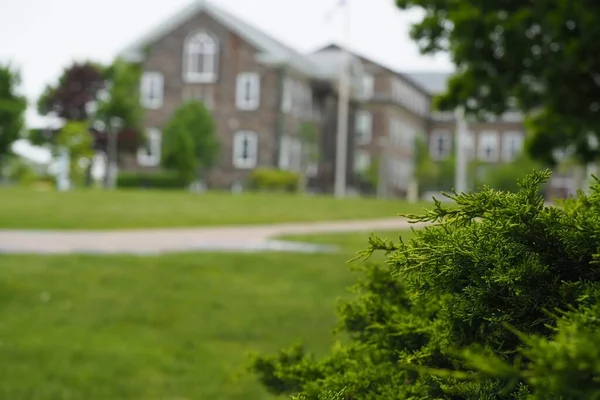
pixel 156 241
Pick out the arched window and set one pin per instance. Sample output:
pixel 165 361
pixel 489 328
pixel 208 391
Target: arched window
pixel 200 58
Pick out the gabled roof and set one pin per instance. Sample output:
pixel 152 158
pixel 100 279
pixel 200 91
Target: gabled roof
pixel 433 82
pixel 406 77
pixel 273 50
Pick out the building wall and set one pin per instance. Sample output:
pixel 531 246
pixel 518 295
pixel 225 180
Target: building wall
pixel 235 56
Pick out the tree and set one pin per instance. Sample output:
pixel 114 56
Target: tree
pixel 539 57
pixel 497 299
pixel 190 145
pixel 12 111
pixel 76 138
pixel 77 87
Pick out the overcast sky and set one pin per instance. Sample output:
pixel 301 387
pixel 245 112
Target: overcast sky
pixel 41 37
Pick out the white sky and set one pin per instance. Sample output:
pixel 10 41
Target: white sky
pixel 41 37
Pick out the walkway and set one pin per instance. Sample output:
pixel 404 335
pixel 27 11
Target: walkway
pixel 232 238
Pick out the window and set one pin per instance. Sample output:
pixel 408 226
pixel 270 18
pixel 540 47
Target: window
pixel 247 91
pixel 362 161
pixel 440 145
pixel 245 150
pixel 470 145
pixel 204 94
pixel 284 152
pixel 364 127
pixel 488 147
pixel 152 90
pixel 512 145
pixel 308 104
pixel 200 58
pixel 395 131
pixel 287 97
pixel 149 155
pixel 367 87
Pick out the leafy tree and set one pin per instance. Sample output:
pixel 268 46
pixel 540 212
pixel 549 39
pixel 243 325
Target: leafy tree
pixel 190 145
pixel 78 86
pixel 505 176
pixel 539 57
pixel 496 300
pixel 12 110
pixel 75 137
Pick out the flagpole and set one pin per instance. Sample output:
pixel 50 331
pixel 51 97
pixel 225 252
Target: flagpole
pixel 343 109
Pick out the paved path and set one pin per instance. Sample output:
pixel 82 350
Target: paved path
pixel 232 238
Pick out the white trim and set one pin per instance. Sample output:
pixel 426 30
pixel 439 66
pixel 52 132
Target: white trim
pixel 152 89
pixel 362 161
pixel 367 86
pixel 287 96
pixel 512 145
pixel 245 149
pixel 150 156
pixel 488 140
pixel 364 127
pixel 200 46
pixel 247 92
pixel 440 144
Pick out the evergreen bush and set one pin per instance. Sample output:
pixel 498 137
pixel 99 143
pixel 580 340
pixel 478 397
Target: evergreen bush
pixel 272 179
pixel 496 299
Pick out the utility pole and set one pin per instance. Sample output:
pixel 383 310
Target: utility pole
pixel 341 156
pixel 460 178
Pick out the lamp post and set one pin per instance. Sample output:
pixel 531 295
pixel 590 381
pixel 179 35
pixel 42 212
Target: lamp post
pixel 341 156
pixel 113 128
pixel 460 182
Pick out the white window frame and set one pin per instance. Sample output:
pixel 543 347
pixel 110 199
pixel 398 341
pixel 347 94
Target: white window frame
pixel 287 99
pixel 285 149
pixel 200 44
pixel 362 161
pixel 149 156
pixel 492 137
pixel 247 92
pixel 248 139
pixel 364 119
pixel 367 86
pixel 436 153
pixel 508 138
pixel 152 90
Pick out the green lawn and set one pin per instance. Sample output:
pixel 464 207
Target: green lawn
pixel 96 209
pixel 161 327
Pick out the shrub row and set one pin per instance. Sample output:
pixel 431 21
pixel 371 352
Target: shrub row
pixel 271 179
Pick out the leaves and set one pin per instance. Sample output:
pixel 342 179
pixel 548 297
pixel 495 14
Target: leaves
pixel 12 109
pixel 190 143
pixel 539 56
pixel 462 311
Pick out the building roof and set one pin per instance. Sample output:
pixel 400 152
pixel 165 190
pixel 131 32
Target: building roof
pixel 433 82
pixel 273 50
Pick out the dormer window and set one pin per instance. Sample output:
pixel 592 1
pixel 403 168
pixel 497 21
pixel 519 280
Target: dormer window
pixel 200 58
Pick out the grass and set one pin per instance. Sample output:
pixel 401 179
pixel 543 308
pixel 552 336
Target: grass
pixel 22 208
pixel 161 327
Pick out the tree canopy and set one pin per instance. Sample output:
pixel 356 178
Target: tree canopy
pixel 190 145
pixel 93 92
pixel 539 57
pixel 12 109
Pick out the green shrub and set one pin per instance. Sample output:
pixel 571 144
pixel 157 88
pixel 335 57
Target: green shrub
pixel 496 300
pixel 150 180
pixel 21 172
pixel 271 179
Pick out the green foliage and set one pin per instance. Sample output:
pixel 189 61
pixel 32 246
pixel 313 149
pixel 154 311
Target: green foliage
pixel 506 176
pixel 190 144
pixel 150 180
pixel 18 170
pixel 12 110
pixel 123 100
pixel 272 179
pixel 431 175
pixel 530 55
pixel 465 310
pixel 75 137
